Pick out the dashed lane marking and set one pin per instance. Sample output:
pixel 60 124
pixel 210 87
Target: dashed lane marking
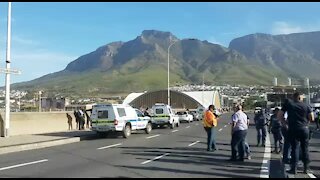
pixel 193 143
pixel 105 147
pixel 24 164
pixel 265 167
pixel 153 136
pixel 145 162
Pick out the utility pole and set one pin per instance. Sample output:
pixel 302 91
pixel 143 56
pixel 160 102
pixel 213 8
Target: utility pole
pixel 40 101
pixel 8 71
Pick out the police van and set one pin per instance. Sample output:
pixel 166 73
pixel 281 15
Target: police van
pixel 118 118
pixel 162 115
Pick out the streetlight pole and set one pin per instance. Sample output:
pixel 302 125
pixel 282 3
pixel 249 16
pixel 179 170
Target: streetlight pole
pixel 169 67
pixel 8 59
pixel 169 71
pixel 308 86
pixel 40 101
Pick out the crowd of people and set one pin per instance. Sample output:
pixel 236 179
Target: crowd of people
pixel 289 126
pixel 81 117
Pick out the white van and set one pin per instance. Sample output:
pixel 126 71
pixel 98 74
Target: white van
pixel 118 118
pixel 162 114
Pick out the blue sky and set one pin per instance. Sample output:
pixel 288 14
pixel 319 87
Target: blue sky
pixel 47 36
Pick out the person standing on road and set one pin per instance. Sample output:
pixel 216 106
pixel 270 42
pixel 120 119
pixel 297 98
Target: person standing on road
pixel 261 121
pixel 88 119
pixel 317 119
pixel 239 132
pixel 210 122
pixel 299 116
pixel 69 122
pixel 275 128
pixel 286 144
pixel 75 113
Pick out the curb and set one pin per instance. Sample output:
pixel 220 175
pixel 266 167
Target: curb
pixel 38 145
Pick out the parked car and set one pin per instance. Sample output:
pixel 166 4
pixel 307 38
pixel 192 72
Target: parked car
pixel 107 118
pixel 185 116
pixel 196 116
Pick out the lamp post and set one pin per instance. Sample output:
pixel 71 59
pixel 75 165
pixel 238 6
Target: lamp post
pixel 169 66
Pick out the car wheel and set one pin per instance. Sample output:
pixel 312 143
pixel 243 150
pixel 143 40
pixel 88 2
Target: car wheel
pixel 172 125
pixel 127 131
pixel 148 128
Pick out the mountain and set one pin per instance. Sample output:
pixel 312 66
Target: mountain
pixel 141 65
pixel 298 54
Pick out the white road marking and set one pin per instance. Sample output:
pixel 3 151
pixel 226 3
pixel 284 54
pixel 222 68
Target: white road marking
pixel 187 126
pixel 311 175
pixel 145 162
pixel 193 143
pixel 175 130
pixel 24 164
pixel 225 125
pixel 220 129
pixel 197 124
pixel 264 171
pixel 105 147
pixel 153 136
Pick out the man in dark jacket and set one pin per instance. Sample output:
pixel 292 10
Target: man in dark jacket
pixel 299 116
pixel 260 121
pixel 275 128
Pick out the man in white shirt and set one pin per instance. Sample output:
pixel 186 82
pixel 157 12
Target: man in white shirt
pixel 239 132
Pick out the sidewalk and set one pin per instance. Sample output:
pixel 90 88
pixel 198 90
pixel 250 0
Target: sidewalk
pixel 36 141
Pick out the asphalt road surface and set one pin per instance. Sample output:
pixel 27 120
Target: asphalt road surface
pixel 177 153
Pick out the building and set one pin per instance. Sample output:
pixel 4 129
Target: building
pixel 179 100
pixel 54 104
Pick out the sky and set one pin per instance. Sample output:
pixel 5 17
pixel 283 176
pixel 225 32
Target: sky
pixel 47 36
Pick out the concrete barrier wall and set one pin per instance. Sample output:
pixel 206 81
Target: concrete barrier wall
pixel 38 122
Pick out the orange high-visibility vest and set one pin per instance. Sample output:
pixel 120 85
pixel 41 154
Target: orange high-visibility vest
pixel 209 119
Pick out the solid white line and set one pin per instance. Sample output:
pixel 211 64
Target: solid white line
pixel 153 136
pixel 175 130
pixel 311 175
pixel 187 126
pixel 193 143
pixel 220 129
pixel 105 147
pixel 264 171
pixel 24 164
pixel 145 162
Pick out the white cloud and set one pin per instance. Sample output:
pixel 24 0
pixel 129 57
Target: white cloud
pixel 23 41
pixel 281 27
pixel 36 63
pixel 214 41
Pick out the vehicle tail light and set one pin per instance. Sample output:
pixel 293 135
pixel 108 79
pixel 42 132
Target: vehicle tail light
pixel 115 122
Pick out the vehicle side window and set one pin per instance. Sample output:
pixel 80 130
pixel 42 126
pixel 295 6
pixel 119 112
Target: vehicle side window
pixel 121 112
pixel 102 114
pixel 139 113
pixel 159 111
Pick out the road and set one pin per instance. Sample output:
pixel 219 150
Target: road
pixel 176 153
